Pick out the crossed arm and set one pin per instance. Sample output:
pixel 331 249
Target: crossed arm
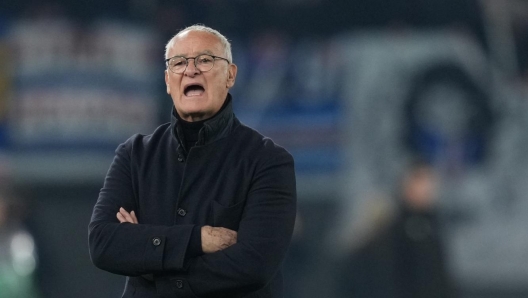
pixel 234 263
pixel 213 238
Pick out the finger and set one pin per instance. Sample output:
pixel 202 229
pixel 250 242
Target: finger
pixel 120 218
pixel 126 215
pixel 233 239
pixel 230 233
pixel 229 237
pixel 134 217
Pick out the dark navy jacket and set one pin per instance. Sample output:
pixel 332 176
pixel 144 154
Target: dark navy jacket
pixel 234 178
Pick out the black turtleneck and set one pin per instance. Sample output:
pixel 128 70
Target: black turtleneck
pixel 191 130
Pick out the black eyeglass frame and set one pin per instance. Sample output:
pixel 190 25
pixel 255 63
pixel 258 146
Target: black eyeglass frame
pixel 194 58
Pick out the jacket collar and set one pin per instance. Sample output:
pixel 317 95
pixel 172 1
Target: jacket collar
pixel 215 128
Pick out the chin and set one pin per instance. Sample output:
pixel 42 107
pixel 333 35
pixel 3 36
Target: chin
pixel 194 110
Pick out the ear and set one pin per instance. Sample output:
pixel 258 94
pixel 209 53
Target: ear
pixel 231 75
pixel 167 81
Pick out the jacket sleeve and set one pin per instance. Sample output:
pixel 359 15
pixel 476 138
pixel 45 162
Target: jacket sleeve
pixel 264 235
pixel 131 249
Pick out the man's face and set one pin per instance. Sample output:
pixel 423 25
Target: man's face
pixel 199 95
pixel 420 187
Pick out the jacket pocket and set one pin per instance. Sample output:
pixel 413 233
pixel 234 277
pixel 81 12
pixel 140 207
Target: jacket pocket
pixel 227 216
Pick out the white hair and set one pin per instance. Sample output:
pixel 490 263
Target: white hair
pixel 198 27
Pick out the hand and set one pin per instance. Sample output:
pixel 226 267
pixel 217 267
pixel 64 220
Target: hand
pixel 124 216
pixel 217 238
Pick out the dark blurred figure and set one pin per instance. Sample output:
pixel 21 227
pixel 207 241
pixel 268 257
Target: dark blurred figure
pixel 449 119
pixel 405 256
pixel 17 249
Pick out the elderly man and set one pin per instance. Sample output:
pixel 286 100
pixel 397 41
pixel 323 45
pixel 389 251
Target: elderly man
pixel 204 206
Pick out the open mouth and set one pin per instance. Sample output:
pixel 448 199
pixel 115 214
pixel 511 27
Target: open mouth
pixel 194 90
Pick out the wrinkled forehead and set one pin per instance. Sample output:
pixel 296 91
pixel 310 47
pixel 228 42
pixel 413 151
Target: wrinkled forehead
pixel 195 42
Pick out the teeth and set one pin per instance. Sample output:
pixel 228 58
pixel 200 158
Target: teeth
pixel 194 92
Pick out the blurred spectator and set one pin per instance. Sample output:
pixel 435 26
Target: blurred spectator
pixel 17 250
pixel 404 256
pixel 449 118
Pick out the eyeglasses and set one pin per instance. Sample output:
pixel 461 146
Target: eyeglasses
pixel 204 62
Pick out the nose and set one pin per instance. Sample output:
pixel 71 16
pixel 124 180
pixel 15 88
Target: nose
pixel 191 69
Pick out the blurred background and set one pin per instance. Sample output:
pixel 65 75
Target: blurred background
pixel 407 120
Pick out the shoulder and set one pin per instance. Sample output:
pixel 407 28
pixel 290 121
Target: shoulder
pixel 140 142
pixel 262 147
